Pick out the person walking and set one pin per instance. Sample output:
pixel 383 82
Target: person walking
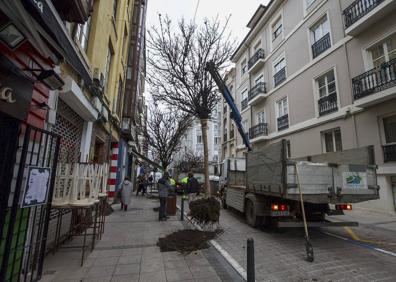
pixel 163 192
pixel 192 187
pixel 141 183
pixel 126 193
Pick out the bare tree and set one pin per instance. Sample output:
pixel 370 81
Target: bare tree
pixel 164 132
pixel 177 60
pixel 189 162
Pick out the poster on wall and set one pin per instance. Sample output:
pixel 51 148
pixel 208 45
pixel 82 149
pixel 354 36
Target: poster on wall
pixel 37 185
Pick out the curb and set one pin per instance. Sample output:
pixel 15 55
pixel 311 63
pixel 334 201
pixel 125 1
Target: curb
pixel 235 265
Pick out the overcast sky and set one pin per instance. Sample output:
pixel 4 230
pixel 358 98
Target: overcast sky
pixel 240 11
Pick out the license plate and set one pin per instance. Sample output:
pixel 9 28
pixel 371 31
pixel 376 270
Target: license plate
pixel 280 213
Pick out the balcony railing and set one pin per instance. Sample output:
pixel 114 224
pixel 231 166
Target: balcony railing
pixel 328 104
pixel 321 45
pixel 359 9
pixel 375 80
pixel 244 103
pixel 389 152
pixel 258 130
pixel 257 56
pixel 280 76
pixel 283 122
pixel 256 90
pixel 232 132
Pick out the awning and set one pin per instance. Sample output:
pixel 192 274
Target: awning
pixel 54 25
pixel 154 164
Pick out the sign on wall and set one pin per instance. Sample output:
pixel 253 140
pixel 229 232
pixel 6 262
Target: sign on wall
pixel 15 91
pixel 37 185
pixel 354 180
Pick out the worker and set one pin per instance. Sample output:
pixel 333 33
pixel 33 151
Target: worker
pixel 192 187
pixel 163 192
pixel 184 182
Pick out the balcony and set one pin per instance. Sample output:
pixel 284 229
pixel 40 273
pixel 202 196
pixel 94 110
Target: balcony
pixel 283 122
pixel 321 45
pixel 256 61
pixel 362 14
pixel 328 104
pixel 232 132
pixel 260 129
pixel 77 11
pixel 389 152
pixel 256 94
pixel 376 80
pixel 244 103
pixel 280 76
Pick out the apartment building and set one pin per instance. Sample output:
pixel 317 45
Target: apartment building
pixel 322 75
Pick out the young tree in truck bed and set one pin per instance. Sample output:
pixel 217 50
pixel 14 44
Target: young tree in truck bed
pixel 177 60
pixel 164 132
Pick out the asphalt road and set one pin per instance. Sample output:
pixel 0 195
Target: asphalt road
pixel 364 253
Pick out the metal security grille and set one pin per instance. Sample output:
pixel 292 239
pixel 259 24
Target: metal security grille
pixel 24 231
pixel 69 125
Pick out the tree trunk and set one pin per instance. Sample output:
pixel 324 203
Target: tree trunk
pixel 204 128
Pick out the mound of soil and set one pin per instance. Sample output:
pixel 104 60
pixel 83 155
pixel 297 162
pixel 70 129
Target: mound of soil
pixel 186 241
pixel 205 211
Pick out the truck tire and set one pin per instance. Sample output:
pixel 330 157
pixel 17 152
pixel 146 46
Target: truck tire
pixel 250 214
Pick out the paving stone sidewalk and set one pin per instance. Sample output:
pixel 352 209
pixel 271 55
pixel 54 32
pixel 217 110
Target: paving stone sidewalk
pixel 128 252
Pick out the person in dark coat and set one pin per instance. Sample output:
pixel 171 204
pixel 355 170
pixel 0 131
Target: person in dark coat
pixel 163 192
pixel 192 187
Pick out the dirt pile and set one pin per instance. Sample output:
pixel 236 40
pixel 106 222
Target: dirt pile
pixel 205 211
pixel 186 241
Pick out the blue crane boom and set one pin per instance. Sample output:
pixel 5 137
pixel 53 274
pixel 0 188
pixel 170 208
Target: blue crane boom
pixel 235 115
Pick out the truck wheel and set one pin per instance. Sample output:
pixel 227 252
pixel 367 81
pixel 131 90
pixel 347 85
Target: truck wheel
pixel 250 213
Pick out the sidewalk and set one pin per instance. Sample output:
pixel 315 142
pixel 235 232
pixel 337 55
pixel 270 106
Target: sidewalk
pixel 128 252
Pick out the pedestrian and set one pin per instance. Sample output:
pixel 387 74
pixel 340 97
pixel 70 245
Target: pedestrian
pixel 141 181
pixel 192 187
pixel 163 192
pixel 126 193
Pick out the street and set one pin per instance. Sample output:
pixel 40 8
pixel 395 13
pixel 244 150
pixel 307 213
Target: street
pixel 280 254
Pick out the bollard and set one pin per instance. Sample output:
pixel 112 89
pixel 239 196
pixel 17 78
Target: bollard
pixel 250 260
pixel 182 209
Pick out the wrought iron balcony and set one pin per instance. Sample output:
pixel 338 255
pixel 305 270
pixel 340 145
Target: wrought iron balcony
pixel 321 45
pixel 258 130
pixel 244 103
pixel 256 90
pixel 259 55
pixel 280 76
pixel 328 104
pixel 232 132
pixel 358 9
pixel 375 80
pixel 283 122
pixel 389 152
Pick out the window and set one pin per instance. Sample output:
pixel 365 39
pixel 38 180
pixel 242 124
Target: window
pixel 277 29
pixel 244 94
pixel 288 150
pixel 326 84
pixel 320 29
pixel 199 139
pixel 257 46
pixel 245 125
pixel 309 3
pixel 119 97
pixel 279 65
pixel 281 107
pixel 82 34
pixel 115 6
pixel 109 58
pixel 332 140
pixel 243 67
pixel 383 52
pixel 390 129
pixel 231 89
pixel 260 117
pixel 259 79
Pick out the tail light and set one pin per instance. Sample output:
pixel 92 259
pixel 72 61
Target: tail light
pixel 346 207
pixel 279 207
